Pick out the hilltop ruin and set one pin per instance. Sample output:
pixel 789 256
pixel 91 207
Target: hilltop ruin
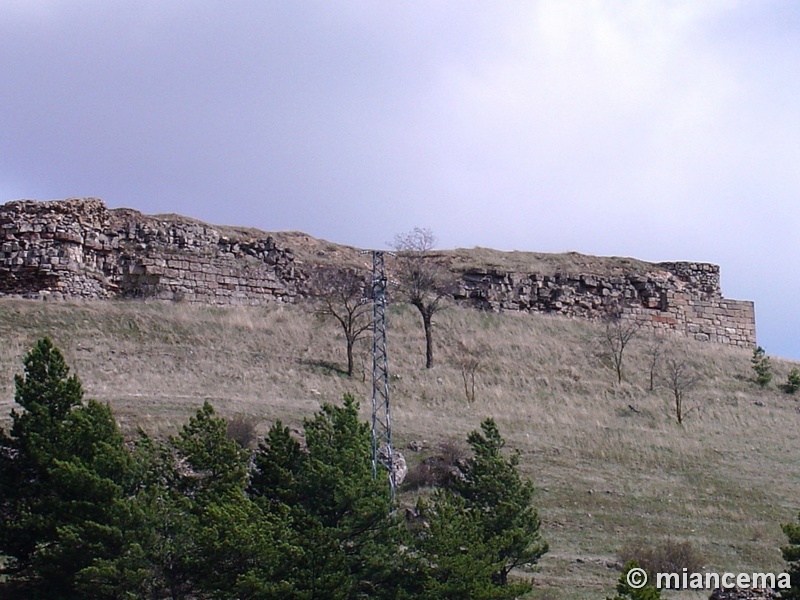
pixel 79 249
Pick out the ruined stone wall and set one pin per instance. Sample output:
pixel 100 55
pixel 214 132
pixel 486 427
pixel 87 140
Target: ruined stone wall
pixel 80 249
pixel 681 297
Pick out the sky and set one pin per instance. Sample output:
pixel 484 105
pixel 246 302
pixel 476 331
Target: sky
pixel 660 130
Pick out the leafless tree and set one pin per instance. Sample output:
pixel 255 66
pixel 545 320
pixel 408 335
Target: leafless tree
pixel 342 295
pixel 424 282
pixel 654 352
pixel 242 429
pixel 468 361
pixel 679 377
pixel 420 240
pixel 618 331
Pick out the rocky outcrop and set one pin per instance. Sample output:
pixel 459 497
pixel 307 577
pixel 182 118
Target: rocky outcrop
pixel 79 249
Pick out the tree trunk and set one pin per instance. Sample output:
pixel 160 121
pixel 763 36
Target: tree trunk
pixel 426 322
pixel 350 343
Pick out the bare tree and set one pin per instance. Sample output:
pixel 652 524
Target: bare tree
pixel 424 282
pixel 468 361
pixel 342 294
pixel 679 377
pixel 654 352
pixel 420 240
pixel 618 331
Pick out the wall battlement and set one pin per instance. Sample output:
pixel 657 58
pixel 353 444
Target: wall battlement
pixel 79 249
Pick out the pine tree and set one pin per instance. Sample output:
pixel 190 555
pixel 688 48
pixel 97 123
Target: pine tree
pixel 791 554
pixel 762 367
pixel 626 592
pixel 193 531
pixel 231 539
pixel 64 471
pixel 493 488
pixel 278 463
pixel 340 515
pixel 455 558
pixel 210 462
pixel 337 484
pixel 793 381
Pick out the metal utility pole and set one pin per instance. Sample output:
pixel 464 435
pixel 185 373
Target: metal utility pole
pixel 381 418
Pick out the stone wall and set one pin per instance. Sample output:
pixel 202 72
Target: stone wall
pixel 682 297
pixel 79 248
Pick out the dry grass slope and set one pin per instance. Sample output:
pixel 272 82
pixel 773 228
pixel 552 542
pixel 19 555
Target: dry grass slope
pixel 607 476
pixel 313 251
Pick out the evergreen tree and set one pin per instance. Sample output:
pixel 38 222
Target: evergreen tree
pixel 762 367
pixel 791 554
pixel 337 484
pixel 64 472
pixel 47 392
pixel 84 516
pixel 793 381
pixel 232 538
pixel 455 559
pixel 350 544
pixel 338 490
pixel 209 462
pixel 193 530
pixel 626 592
pixel 493 488
pixel 278 465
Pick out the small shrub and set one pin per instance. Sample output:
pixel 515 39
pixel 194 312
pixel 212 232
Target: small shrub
pixel 669 556
pixel 439 470
pixel 420 476
pixel 793 381
pixel 468 361
pixel 242 430
pixel 762 367
pixel 454 453
pixel 625 591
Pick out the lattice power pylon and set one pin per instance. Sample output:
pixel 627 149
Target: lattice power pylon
pixel 382 453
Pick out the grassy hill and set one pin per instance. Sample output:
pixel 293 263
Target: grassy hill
pixel 607 475
pixel 313 251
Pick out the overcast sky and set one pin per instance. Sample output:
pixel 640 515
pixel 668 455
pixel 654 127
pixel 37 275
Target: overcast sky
pixel 659 130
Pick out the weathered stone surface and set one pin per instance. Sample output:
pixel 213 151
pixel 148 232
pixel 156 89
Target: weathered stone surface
pixel 78 248
pixel 681 297
pixel 400 467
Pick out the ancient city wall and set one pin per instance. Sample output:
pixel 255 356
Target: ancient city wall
pixel 78 248
pixel 683 297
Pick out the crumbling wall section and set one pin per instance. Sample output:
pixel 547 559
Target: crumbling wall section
pixel 79 248
pixel 682 297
